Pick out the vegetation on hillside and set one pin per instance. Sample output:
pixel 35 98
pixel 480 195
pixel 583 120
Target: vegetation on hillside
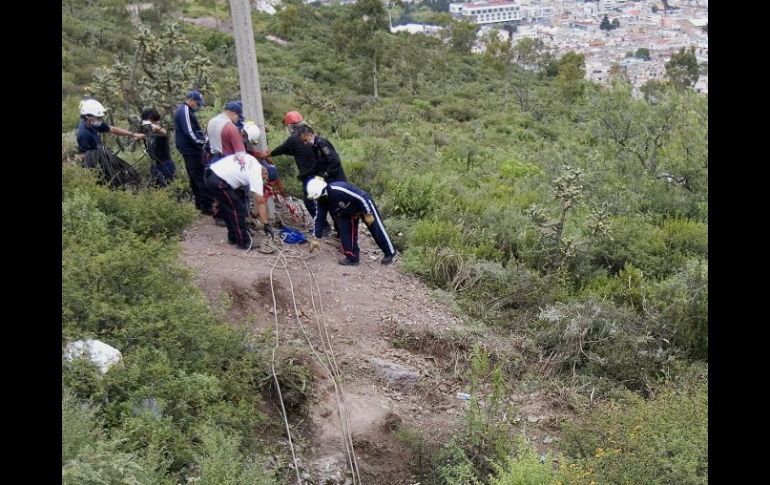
pixel 569 216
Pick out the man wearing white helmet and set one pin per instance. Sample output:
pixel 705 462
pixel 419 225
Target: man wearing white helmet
pixel 92 124
pixel 348 204
pixel 226 180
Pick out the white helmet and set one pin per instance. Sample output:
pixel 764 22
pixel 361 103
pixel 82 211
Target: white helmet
pixel 315 188
pixel 92 107
pixel 252 131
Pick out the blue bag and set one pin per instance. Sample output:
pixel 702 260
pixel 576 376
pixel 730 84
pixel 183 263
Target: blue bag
pixel 292 236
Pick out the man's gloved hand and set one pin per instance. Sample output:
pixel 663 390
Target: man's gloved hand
pixel 368 219
pixel 269 231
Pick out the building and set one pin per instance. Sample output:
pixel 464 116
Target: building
pixel 492 11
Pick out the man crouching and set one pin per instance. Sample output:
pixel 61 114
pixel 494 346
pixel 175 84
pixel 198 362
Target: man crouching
pixel 230 180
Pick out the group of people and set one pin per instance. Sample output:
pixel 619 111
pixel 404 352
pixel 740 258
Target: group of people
pixel 229 177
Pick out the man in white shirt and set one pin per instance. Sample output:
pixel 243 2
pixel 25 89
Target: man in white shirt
pixel 226 180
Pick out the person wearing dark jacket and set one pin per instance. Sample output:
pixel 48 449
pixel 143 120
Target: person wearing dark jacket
pixel 303 155
pixel 162 166
pixel 348 204
pixel 92 114
pixel 327 161
pixel 189 142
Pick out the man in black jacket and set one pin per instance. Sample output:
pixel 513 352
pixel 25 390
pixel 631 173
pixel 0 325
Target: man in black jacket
pixel 327 160
pixel 303 155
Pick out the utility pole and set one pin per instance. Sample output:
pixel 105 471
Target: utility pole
pixel 248 72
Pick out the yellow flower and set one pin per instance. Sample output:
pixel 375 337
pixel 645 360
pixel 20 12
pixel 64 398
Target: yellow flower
pixel 599 452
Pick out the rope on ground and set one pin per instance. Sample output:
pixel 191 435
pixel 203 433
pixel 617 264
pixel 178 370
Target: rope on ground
pixel 332 370
pixel 337 377
pixel 275 377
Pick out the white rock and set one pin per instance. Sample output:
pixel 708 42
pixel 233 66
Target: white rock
pixel 101 354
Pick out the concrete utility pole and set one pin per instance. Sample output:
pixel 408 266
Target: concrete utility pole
pixel 248 72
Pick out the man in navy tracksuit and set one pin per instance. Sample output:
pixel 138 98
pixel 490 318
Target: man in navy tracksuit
pixel 189 142
pixel 347 205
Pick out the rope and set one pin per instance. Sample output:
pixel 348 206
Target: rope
pixel 332 370
pixel 275 376
pixel 114 171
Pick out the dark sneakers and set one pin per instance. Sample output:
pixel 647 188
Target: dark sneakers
pixel 344 261
pixel 388 259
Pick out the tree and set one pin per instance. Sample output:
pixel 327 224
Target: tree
pixel 359 34
pixel 615 23
pixel 653 90
pixel 533 55
pixel 498 53
pixel 642 53
pixel 572 71
pixel 165 65
pixel 635 127
pixel 605 25
pixel 462 35
pixel 682 69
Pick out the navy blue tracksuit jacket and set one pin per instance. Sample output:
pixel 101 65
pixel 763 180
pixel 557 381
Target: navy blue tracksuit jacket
pixel 347 203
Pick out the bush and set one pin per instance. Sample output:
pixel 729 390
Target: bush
pixel 682 303
pixel 527 468
pixel 514 169
pixel 600 339
pixel 660 441
pixel 220 461
pixel 628 287
pixel 435 234
pixel 147 212
pixel 88 456
pixel 485 437
pixel 638 242
pixel 414 197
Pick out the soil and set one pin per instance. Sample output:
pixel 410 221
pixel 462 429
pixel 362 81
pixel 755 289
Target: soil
pixel 374 313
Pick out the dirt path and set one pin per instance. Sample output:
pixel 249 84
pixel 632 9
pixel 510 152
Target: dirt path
pixel 363 305
pixel 397 348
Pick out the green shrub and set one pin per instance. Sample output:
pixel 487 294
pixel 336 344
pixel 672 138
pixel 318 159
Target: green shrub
pixel 659 441
pixel 146 212
pixel 435 234
pixel 514 169
pixel 686 237
pixel 414 197
pixel 88 456
pixel 628 287
pixel 599 339
pixel 220 460
pixel 527 468
pixel 485 437
pixel 638 242
pixel 682 303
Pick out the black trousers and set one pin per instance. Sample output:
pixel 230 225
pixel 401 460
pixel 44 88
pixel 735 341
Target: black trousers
pixel 232 208
pixel 195 168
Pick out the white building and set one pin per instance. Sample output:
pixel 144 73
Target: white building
pixel 492 11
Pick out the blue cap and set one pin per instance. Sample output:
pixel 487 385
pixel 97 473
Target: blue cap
pixel 235 107
pixel 196 96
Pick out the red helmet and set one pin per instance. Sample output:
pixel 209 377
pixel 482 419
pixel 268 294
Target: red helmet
pixel 292 117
